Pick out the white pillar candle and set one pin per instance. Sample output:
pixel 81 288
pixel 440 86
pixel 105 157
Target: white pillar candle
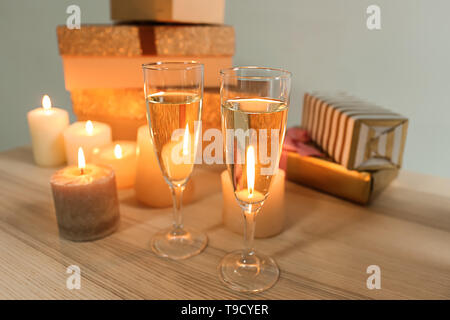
pixel 121 157
pixel 269 220
pixel 46 126
pixel 150 186
pixel 85 134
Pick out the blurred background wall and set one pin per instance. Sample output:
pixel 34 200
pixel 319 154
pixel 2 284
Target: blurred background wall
pixel 324 43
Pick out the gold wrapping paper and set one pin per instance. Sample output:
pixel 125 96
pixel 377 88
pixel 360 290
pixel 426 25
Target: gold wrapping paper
pixel 125 111
pixel 332 178
pixel 138 40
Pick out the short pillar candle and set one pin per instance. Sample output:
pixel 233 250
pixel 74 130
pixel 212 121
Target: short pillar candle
pixel 86 203
pixel 121 157
pixel 87 135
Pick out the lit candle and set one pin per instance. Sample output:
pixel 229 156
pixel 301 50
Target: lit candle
pixel 150 186
pixel 46 126
pixel 250 195
pixel 85 198
pixel 177 158
pixel 121 157
pixel 270 218
pixel 85 134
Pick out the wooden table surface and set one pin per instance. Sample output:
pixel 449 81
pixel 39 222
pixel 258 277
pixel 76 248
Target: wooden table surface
pixel 323 253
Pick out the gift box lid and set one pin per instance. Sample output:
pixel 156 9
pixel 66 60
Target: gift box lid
pixel 146 39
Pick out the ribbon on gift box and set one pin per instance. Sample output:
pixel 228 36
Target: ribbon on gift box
pixel 297 140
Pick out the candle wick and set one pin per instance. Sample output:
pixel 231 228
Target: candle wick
pixel 82 170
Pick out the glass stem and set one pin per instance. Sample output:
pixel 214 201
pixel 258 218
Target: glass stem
pixel 249 235
pixel 177 195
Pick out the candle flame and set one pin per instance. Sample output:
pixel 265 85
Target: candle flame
pixel 250 170
pixel 118 151
pixel 81 160
pixel 186 141
pixel 46 102
pixel 89 127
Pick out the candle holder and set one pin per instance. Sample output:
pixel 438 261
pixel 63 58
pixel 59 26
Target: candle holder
pixel 173 94
pixel 254 113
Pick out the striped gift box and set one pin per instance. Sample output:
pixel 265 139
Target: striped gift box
pixel 357 134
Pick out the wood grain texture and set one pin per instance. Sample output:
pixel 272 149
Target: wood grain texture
pixel 323 253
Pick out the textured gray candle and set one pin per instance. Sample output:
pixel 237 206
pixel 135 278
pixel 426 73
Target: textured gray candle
pixel 86 203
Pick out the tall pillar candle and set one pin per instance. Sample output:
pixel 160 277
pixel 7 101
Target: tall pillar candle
pixel 46 126
pixel 85 134
pixel 150 186
pixel 270 219
pixel 85 199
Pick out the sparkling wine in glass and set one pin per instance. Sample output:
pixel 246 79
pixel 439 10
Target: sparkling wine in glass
pixel 173 93
pixel 254 114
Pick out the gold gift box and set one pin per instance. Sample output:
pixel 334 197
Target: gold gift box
pixel 333 178
pixel 111 56
pixel 125 110
pixel 102 68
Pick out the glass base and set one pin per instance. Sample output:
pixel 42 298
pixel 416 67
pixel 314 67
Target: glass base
pixel 179 244
pixel 256 274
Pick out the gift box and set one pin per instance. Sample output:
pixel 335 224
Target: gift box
pixel 111 56
pixel 182 11
pixel 306 165
pixel 102 68
pixel 357 134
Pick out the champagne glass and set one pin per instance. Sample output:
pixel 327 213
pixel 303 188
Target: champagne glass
pixel 173 94
pixel 254 113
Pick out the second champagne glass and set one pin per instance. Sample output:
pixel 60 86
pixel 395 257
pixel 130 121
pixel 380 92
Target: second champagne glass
pixel 254 113
pixel 173 94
